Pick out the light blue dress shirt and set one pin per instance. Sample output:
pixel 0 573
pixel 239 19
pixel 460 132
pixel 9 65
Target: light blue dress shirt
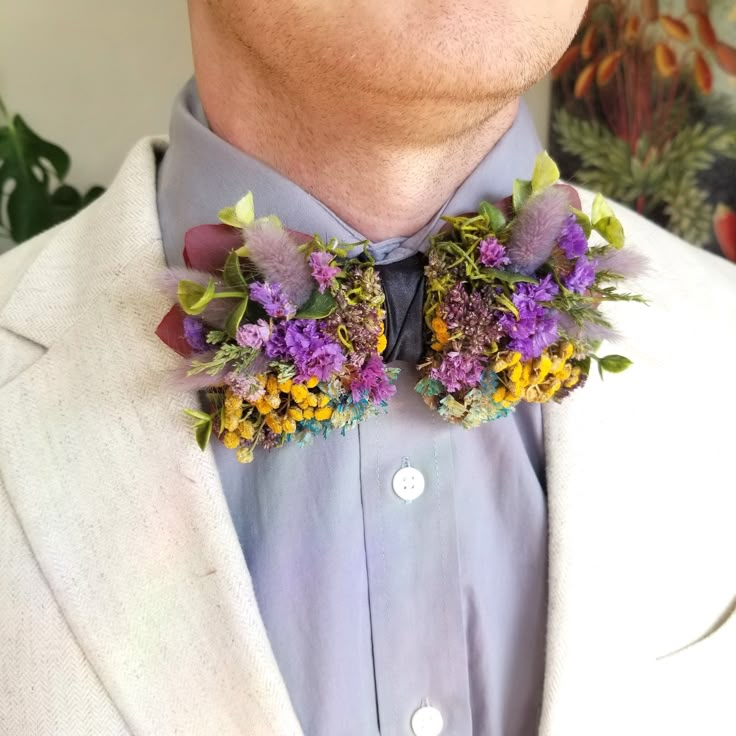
pixel 376 606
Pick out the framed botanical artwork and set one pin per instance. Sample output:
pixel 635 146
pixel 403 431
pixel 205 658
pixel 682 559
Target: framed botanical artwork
pixel 644 105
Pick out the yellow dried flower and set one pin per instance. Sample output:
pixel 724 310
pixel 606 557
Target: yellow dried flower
pixel 312 381
pixel 263 406
pixel 273 423
pixel 272 385
pixel 324 413
pixel 245 455
pixel 309 413
pixel 230 440
pixel 311 400
pixel 323 400
pixel 299 393
pixel 382 343
pixel 542 367
pixel 296 413
pixel 285 386
pixel 500 394
pixel 516 372
pixel 246 429
pixel 288 426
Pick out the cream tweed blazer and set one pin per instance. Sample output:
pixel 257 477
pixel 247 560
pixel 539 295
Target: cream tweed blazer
pixel 126 606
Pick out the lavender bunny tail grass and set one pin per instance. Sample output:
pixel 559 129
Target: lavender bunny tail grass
pixel 537 228
pixel 276 255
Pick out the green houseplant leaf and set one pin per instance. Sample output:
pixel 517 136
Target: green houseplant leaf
pixel 32 172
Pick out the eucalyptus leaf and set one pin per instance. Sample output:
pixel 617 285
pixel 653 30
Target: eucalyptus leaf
pixel 494 216
pixel 228 217
pixel 583 221
pixel 202 433
pixel 236 317
pixel 510 277
pixel 545 172
pixel 612 230
pixel 317 306
pixel 245 210
pixel 194 297
pixel 601 209
pixel 522 192
pixel 197 414
pixel 614 363
pixel 233 274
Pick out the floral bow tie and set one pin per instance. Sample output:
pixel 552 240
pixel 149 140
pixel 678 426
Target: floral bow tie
pixel 286 332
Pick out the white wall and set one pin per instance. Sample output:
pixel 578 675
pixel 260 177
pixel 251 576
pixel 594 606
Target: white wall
pixel 96 76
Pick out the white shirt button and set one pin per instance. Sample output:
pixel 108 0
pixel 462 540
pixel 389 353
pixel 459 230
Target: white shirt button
pixel 427 721
pixel 408 482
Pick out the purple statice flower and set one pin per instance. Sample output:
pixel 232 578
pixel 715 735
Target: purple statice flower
pixel 572 238
pixel 582 276
pixel 276 344
pixel 492 253
pixel 276 255
pixel 273 299
pixel 323 272
pixel 458 371
pixel 537 229
pixel 253 335
pixel 194 334
pixel 372 383
pixel 529 296
pixel 536 327
pixel 313 352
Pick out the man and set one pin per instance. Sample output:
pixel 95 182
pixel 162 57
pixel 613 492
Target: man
pixel 549 558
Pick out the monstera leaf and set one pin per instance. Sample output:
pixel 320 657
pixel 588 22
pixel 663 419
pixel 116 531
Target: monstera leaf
pixel 32 170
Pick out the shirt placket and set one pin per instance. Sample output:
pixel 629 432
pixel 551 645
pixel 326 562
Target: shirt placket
pixel 407 489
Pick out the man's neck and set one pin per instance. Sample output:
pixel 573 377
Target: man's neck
pixel 385 173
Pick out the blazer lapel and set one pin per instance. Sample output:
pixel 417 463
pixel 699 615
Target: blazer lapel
pixel 125 515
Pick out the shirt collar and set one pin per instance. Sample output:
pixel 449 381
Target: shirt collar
pixel 201 173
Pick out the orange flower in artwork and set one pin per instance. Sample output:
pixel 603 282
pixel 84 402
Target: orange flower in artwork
pixel 585 80
pixel 607 67
pixel 631 29
pixel 587 46
pixel 675 28
pixel 702 74
pixel 726 57
pixel 566 61
pixel 665 60
pixel 705 30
